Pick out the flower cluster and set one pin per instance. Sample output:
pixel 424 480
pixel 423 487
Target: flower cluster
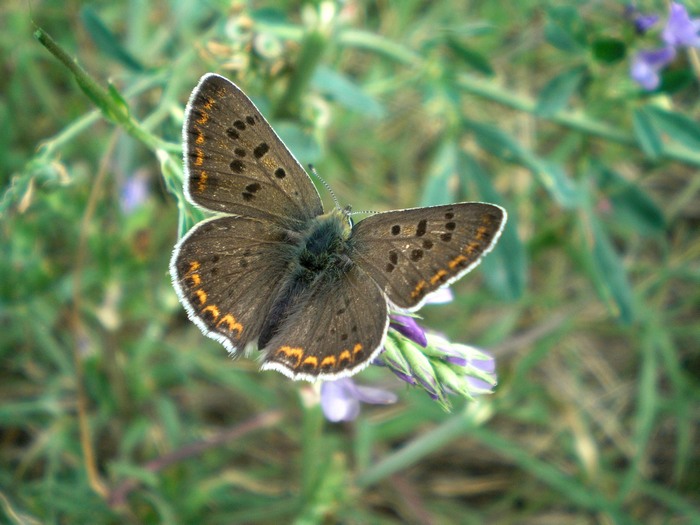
pixel 421 359
pixel 680 32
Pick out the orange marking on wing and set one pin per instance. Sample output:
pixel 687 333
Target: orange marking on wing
pixel 455 262
pixel 195 279
pixel 416 291
pixel 311 360
pixel 204 117
pixel 200 137
pixel 357 348
pixel 213 310
pixel 439 275
pixel 202 295
pixel 199 160
pixel 194 266
pixel 291 352
pixel 471 247
pixel 202 184
pixel 209 103
pixel 232 324
pixel 481 232
pixel 344 356
pixel 328 361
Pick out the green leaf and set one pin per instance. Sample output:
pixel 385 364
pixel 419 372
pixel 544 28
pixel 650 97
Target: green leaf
pixel 341 89
pixel 506 269
pixel 550 174
pixel 496 141
pixel 555 95
pixel 608 50
pixel 679 128
pixel 630 204
pixel 611 273
pixel 472 58
pixel 560 186
pixel 677 79
pixel 107 41
pixel 646 134
pixel 564 28
pixel 604 264
pixel 441 185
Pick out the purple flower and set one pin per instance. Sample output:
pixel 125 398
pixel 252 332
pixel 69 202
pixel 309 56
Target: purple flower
pixel 408 327
pixel 680 30
pixel 134 192
pixel 642 22
pixel 646 66
pixel 477 366
pixel 340 399
pixel 486 366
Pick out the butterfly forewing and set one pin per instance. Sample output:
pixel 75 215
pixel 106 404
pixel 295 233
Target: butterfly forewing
pixel 410 253
pixel 227 272
pixel 235 163
pixel 335 328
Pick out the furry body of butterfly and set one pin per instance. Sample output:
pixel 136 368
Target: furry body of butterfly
pixel 321 251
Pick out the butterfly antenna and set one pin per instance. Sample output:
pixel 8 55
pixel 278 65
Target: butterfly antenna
pixel 325 185
pixel 364 212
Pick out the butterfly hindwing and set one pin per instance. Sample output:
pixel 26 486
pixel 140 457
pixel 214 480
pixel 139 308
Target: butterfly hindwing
pixel 334 328
pixel 410 253
pixel 235 163
pixel 227 272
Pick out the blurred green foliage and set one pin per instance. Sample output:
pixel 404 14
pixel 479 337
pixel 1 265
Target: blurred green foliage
pixel 590 302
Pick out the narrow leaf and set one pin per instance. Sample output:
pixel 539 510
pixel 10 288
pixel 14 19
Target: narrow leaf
pixel 106 40
pixel 646 134
pixel 678 127
pixel 506 269
pixel 555 95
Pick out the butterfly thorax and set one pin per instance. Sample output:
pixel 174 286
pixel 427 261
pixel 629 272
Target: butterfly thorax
pixel 323 246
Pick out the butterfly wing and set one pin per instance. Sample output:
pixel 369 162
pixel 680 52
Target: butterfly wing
pixel 227 272
pixel 410 253
pixel 333 329
pixel 235 163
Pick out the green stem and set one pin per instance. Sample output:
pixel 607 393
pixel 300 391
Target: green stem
pixel 112 105
pixel 312 47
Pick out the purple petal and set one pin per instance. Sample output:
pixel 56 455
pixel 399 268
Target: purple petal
pixel 680 30
pixel 477 385
pixel 485 365
pixel 134 193
pixel 642 23
pixel 340 399
pixel 375 396
pixel 408 327
pixel 647 64
pixel 456 360
pixel 338 402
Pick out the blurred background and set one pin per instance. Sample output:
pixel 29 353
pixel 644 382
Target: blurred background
pixel 115 409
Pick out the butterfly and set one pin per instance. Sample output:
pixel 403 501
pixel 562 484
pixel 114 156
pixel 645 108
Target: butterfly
pixel 273 270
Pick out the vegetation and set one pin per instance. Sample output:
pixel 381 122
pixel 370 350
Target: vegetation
pixel 116 409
